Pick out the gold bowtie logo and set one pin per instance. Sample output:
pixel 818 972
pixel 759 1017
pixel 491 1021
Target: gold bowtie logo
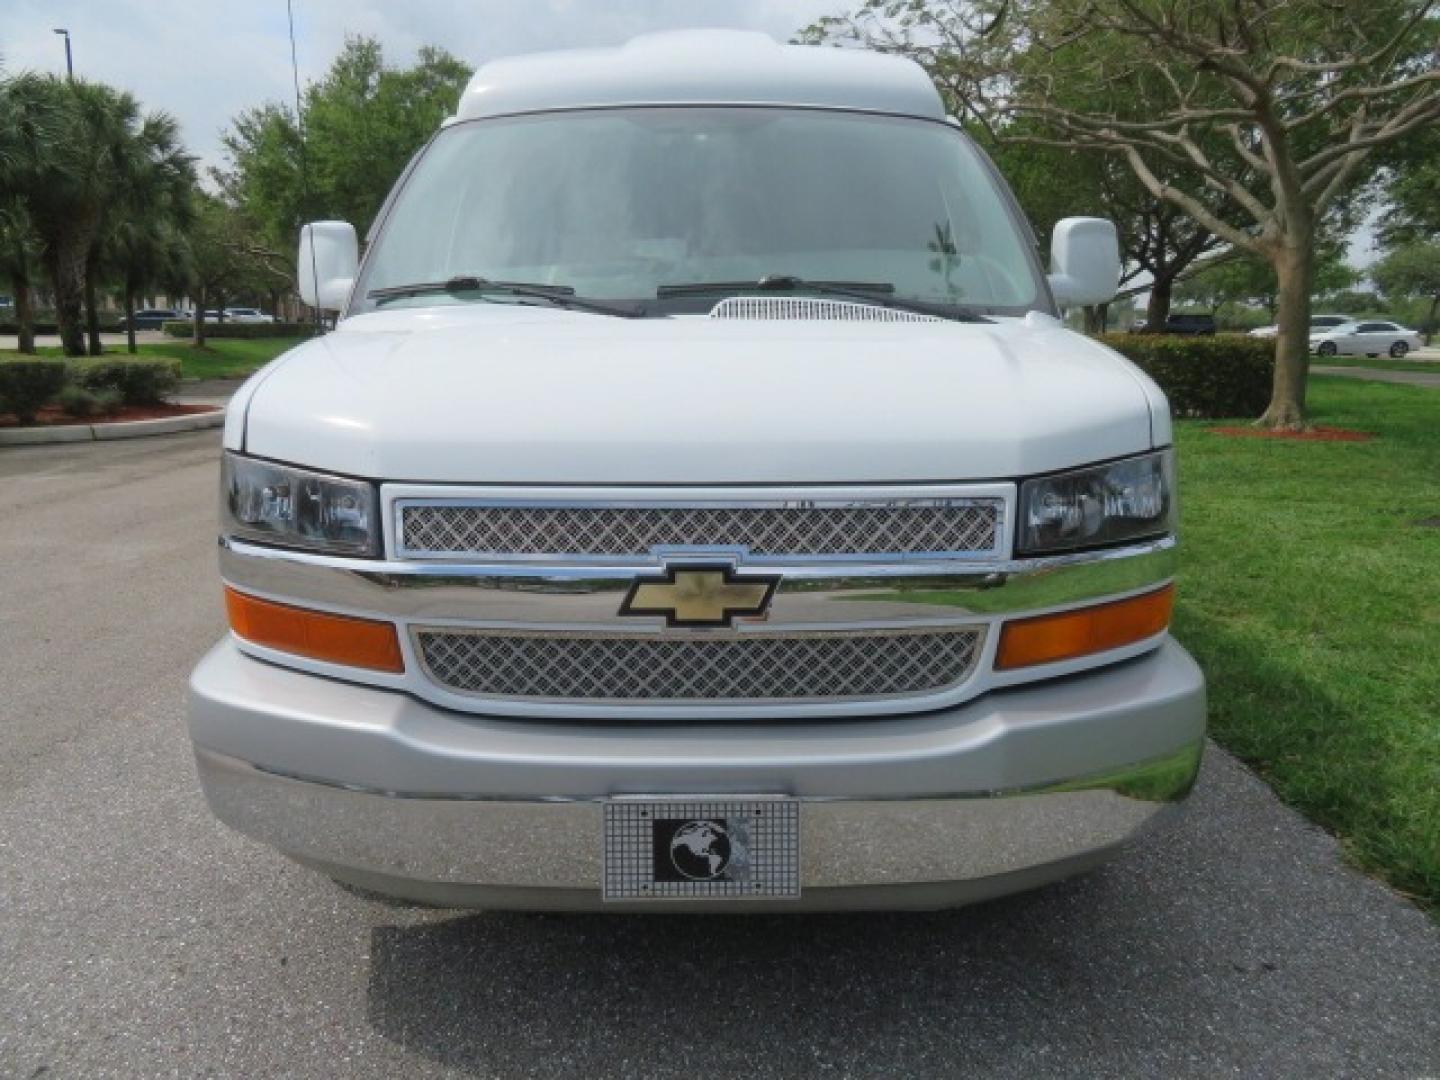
pixel 702 595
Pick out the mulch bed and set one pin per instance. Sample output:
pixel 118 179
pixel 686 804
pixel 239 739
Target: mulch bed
pixel 51 416
pixel 1314 434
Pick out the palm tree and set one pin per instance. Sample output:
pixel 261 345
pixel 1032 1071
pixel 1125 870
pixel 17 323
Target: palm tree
pixel 143 243
pixel 147 251
pixel 104 161
pixel 19 257
pixel 27 122
pixel 152 207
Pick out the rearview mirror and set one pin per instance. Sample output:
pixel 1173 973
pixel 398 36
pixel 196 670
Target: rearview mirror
pixel 1084 261
pixel 329 259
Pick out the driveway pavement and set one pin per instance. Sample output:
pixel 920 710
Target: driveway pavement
pixel 139 937
pixel 1408 378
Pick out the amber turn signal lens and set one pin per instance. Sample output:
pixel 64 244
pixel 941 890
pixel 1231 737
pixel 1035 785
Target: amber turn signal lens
pixel 336 639
pixel 1070 634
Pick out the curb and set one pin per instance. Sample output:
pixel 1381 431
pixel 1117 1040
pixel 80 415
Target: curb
pixel 132 429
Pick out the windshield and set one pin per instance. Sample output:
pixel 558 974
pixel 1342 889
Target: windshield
pixel 620 203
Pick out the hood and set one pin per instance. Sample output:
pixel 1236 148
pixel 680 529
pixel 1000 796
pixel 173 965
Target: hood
pixel 512 394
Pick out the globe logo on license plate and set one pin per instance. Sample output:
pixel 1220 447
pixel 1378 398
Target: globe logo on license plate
pixel 697 850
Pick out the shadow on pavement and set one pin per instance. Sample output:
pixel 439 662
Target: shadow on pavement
pixel 1234 941
pixel 714 995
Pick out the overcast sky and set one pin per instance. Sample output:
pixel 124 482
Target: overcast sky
pixel 203 61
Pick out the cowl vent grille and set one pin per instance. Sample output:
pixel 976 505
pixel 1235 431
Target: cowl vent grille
pixel 801 307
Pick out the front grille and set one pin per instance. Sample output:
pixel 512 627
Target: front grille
pixel 901 527
pixel 563 666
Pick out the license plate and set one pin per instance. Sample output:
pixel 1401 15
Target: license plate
pixel 689 849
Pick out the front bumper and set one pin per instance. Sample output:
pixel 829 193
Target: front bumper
pixel 1002 793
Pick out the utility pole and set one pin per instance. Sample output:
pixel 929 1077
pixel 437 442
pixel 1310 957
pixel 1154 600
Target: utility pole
pixel 69 64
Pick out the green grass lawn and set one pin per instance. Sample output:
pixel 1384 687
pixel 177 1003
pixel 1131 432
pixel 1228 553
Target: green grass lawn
pixel 1311 596
pixel 221 358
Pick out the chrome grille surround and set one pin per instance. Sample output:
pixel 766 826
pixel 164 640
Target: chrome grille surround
pixel 734 668
pixel 881 529
pixel 582 599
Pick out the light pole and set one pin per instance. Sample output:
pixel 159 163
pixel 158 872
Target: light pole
pixel 69 64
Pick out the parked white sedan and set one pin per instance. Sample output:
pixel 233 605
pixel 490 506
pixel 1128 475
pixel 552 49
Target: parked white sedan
pixel 247 315
pixel 1364 339
pixel 1317 324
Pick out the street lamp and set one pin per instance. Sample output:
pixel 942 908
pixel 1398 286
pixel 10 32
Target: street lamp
pixel 69 64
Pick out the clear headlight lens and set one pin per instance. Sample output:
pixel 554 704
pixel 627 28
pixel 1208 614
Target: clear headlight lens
pixel 1105 504
pixel 289 507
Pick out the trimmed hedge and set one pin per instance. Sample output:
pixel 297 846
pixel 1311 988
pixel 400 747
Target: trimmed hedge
pixel 241 330
pixel 29 384
pixel 1204 377
pixel 77 401
pixel 138 380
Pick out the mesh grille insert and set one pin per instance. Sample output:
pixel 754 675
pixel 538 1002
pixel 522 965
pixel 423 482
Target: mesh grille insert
pixel 802 307
pixel 930 526
pixel 599 668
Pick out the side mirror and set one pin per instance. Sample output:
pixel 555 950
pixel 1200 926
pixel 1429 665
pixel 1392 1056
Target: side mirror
pixel 1084 261
pixel 329 259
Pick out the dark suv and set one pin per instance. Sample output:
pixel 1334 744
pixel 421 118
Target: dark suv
pixel 1190 323
pixel 153 318
pixel 1186 323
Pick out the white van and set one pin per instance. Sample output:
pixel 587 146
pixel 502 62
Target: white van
pixel 699 506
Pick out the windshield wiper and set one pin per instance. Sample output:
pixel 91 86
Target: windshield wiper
pixel 867 292
pixel 559 295
pixel 775 283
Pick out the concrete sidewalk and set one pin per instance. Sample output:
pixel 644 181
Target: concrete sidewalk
pixel 43 341
pixel 207 391
pixel 1406 378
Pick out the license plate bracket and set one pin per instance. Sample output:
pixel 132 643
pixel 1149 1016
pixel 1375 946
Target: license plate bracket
pixel 692 848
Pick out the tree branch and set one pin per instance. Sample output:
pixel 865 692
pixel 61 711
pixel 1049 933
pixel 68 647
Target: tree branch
pixel 1191 205
pixel 1324 67
pixel 1417 114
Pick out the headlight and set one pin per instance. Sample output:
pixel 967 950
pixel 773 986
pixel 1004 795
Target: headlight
pixel 1105 504
pixel 289 507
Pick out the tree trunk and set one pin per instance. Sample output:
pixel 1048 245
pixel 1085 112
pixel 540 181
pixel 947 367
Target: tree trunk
pixel 130 321
pixel 65 263
pixel 24 312
pixel 1095 318
pixel 1429 322
pixel 92 310
pixel 1157 308
pixel 1294 264
pixel 198 338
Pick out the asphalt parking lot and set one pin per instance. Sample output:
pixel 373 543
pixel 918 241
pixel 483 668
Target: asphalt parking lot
pixel 139 937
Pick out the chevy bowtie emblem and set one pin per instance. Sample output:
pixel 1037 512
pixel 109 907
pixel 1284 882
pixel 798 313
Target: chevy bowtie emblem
pixel 700 595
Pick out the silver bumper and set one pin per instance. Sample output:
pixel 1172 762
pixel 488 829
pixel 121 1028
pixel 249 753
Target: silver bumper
pixel 1002 793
